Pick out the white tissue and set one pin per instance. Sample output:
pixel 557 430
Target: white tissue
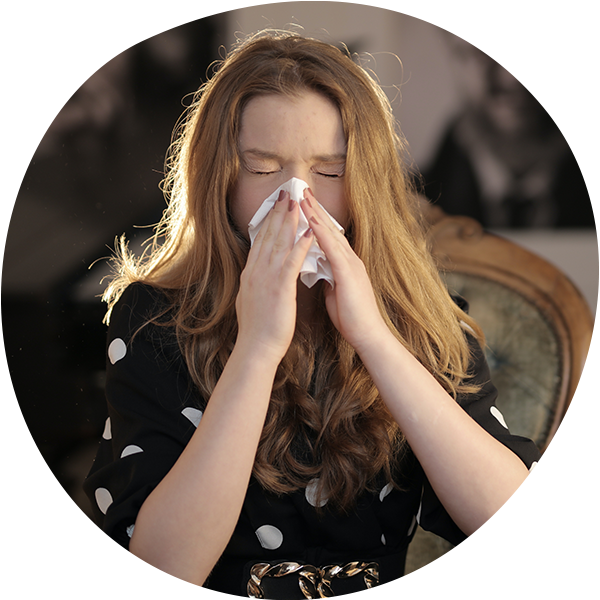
pixel 316 266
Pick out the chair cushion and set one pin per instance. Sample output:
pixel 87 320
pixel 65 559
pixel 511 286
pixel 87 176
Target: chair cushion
pixel 522 351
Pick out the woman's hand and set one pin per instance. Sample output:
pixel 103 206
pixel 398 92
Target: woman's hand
pixel 266 302
pixel 351 302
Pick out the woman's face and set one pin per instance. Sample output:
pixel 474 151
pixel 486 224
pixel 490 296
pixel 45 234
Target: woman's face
pixel 283 137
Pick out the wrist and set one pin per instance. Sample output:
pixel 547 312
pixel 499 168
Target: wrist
pixel 251 351
pixel 375 341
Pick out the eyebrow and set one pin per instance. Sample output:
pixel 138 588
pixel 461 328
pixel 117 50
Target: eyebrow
pixel 325 158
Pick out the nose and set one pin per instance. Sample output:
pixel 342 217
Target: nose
pixel 301 172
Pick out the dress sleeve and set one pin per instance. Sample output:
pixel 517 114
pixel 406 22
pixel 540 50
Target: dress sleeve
pixel 481 407
pixel 153 410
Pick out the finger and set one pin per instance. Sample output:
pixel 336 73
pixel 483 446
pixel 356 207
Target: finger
pixel 278 241
pixel 270 228
pixel 330 239
pixel 311 206
pixel 283 243
pixel 295 259
pixel 273 220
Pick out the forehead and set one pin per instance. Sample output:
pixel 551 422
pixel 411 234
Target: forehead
pixel 308 119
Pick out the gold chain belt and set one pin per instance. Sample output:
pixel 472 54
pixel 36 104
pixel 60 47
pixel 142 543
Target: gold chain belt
pixel 314 582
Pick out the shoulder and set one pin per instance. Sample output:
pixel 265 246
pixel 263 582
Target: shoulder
pixel 140 300
pixel 142 313
pixel 138 305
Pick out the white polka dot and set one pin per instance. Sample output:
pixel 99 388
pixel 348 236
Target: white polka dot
pixel 103 499
pixel 498 416
pixel 413 524
pixel 533 464
pixel 269 537
pixel 128 592
pixel 130 530
pixel 130 450
pixel 538 477
pixel 107 433
pixel 193 414
pixel 385 491
pixel 117 350
pixel 311 494
pixel 383 539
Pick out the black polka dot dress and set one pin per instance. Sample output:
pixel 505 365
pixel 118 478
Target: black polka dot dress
pixel 153 411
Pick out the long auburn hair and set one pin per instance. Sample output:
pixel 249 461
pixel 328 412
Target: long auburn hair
pixel 326 421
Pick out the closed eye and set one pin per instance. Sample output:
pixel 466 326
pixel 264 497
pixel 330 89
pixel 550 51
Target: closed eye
pixel 255 172
pixel 330 169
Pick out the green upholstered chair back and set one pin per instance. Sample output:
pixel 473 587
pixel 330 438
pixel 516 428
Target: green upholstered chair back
pixel 537 326
pixel 523 352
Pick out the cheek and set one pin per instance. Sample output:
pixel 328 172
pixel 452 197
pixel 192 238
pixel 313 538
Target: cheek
pixel 244 202
pixel 236 208
pixel 334 202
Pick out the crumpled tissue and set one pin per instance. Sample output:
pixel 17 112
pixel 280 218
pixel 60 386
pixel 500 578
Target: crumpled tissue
pixel 316 266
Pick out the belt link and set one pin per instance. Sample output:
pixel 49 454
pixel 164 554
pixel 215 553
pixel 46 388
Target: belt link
pixel 314 582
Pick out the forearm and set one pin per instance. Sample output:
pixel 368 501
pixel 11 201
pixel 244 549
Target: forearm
pixel 185 524
pixel 471 472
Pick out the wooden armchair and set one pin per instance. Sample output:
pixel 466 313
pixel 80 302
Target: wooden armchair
pixel 537 325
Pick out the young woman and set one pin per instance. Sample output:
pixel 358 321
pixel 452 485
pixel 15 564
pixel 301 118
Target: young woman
pixel 270 439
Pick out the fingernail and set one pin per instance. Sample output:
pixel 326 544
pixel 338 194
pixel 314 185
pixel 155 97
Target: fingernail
pixel 291 205
pixel 308 232
pixel 314 220
pixel 281 195
pixel 306 198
